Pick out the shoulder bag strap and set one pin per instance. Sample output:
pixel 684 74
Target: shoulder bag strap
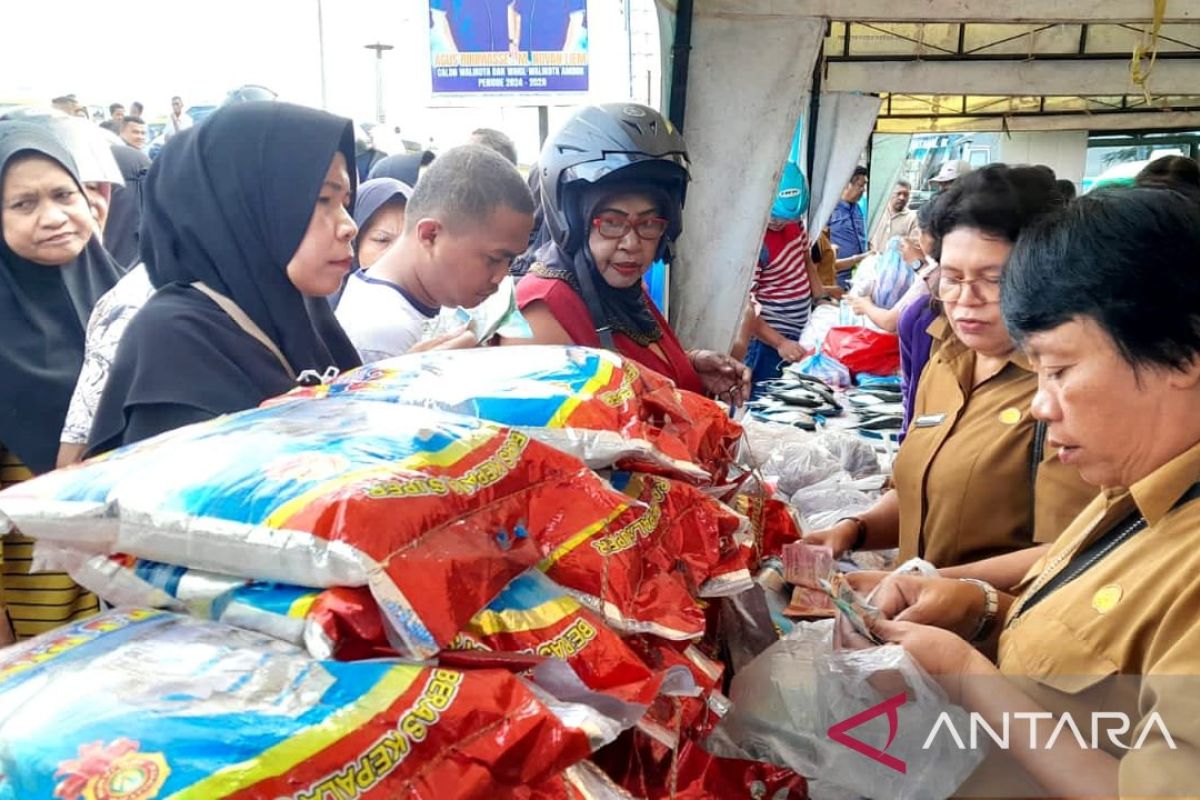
pixel 245 323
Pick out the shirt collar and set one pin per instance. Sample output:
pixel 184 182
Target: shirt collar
pixel 429 312
pixel 1157 493
pixel 952 349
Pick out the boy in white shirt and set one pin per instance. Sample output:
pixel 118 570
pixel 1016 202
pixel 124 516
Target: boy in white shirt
pixel 469 216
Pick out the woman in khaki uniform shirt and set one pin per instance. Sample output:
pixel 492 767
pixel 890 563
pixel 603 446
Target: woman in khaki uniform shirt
pixel 971 479
pixel 1107 303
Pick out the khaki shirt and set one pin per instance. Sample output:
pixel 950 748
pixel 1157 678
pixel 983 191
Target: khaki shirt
pixel 1135 612
pixel 902 225
pixel 963 472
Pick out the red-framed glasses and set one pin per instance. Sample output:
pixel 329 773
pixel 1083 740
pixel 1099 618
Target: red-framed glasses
pixel 611 225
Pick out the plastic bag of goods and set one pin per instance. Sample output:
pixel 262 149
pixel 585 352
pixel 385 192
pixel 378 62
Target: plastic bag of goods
pixel 594 404
pixel 828 369
pixel 435 512
pixel 892 276
pixel 863 350
pixel 143 703
pixel 820 321
pixel 788 700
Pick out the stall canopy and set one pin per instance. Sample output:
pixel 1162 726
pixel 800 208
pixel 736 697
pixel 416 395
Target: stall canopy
pixel 931 65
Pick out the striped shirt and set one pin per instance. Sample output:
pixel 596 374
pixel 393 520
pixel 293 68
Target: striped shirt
pixel 781 284
pixel 40 601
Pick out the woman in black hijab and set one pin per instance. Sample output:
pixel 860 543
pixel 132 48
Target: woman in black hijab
pixel 52 271
pixel 246 230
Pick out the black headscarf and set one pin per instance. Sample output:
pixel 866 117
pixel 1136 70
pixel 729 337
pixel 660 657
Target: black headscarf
pixel 125 208
pixel 539 234
pixel 625 311
pixel 43 317
pixel 228 203
pixel 372 196
pixel 404 167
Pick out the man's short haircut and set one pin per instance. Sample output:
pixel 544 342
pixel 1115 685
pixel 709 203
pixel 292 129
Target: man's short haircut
pixel 903 184
pixel 1125 258
pixel 860 170
pixel 467 183
pixel 131 120
pixel 498 141
pixel 137 105
pixel 112 109
pixel 176 97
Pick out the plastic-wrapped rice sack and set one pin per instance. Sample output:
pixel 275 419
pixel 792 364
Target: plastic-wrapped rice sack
pixel 534 615
pixel 435 512
pixel 275 609
pixel 583 781
pixel 692 533
pixel 145 704
pixel 591 403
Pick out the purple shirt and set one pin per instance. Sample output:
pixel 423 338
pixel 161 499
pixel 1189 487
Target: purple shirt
pixel 915 344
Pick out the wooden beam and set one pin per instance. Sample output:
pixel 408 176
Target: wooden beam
pixel 1008 11
pixel 1074 78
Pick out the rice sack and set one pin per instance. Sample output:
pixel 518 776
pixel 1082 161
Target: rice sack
pixel 146 704
pixel 594 404
pixel 435 512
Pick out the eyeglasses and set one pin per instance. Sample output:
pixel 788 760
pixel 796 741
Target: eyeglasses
pixel 950 289
pixel 618 226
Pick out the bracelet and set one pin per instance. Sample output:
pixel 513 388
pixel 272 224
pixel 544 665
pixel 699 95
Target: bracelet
pixel 991 608
pixel 861 538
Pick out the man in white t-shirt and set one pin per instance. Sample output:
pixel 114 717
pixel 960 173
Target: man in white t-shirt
pixel 469 216
pixel 178 122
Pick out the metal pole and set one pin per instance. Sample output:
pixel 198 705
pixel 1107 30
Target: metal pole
pixel 543 125
pixel 629 40
pixel 380 116
pixel 321 48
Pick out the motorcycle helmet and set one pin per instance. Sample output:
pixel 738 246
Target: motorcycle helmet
pixel 615 143
pixel 791 201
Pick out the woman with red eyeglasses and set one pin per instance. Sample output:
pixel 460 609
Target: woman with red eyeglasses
pixel 613 181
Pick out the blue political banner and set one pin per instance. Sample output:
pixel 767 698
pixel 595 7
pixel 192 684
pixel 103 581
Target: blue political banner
pixel 499 47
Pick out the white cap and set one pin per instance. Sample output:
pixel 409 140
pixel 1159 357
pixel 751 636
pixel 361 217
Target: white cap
pixel 951 171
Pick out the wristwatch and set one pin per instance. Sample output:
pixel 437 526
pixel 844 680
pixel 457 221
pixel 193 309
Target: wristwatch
pixel 991 608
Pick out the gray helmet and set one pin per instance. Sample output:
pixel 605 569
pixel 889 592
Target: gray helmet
pixel 615 142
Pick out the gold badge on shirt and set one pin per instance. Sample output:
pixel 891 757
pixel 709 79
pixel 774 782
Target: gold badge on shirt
pixel 1106 599
pixel 1010 416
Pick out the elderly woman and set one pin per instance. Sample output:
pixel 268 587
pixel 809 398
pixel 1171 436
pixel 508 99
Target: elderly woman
pixel 1106 302
pixel 973 478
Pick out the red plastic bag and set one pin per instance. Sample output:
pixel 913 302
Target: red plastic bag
pixel 864 350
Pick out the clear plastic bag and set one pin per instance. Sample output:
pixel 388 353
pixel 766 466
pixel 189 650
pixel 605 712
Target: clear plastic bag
pixel 857 457
pixel 787 699
pixel 892 276
pixel 822 504
pixel 822 318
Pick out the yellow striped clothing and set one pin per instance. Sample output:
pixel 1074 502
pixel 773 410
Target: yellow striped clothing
pixel 40 601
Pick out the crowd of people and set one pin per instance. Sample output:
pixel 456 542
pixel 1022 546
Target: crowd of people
pixel 1051 350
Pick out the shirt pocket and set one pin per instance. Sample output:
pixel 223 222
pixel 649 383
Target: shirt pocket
pixel 1051 654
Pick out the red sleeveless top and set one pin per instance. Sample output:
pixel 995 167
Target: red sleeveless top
pixel 571 313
